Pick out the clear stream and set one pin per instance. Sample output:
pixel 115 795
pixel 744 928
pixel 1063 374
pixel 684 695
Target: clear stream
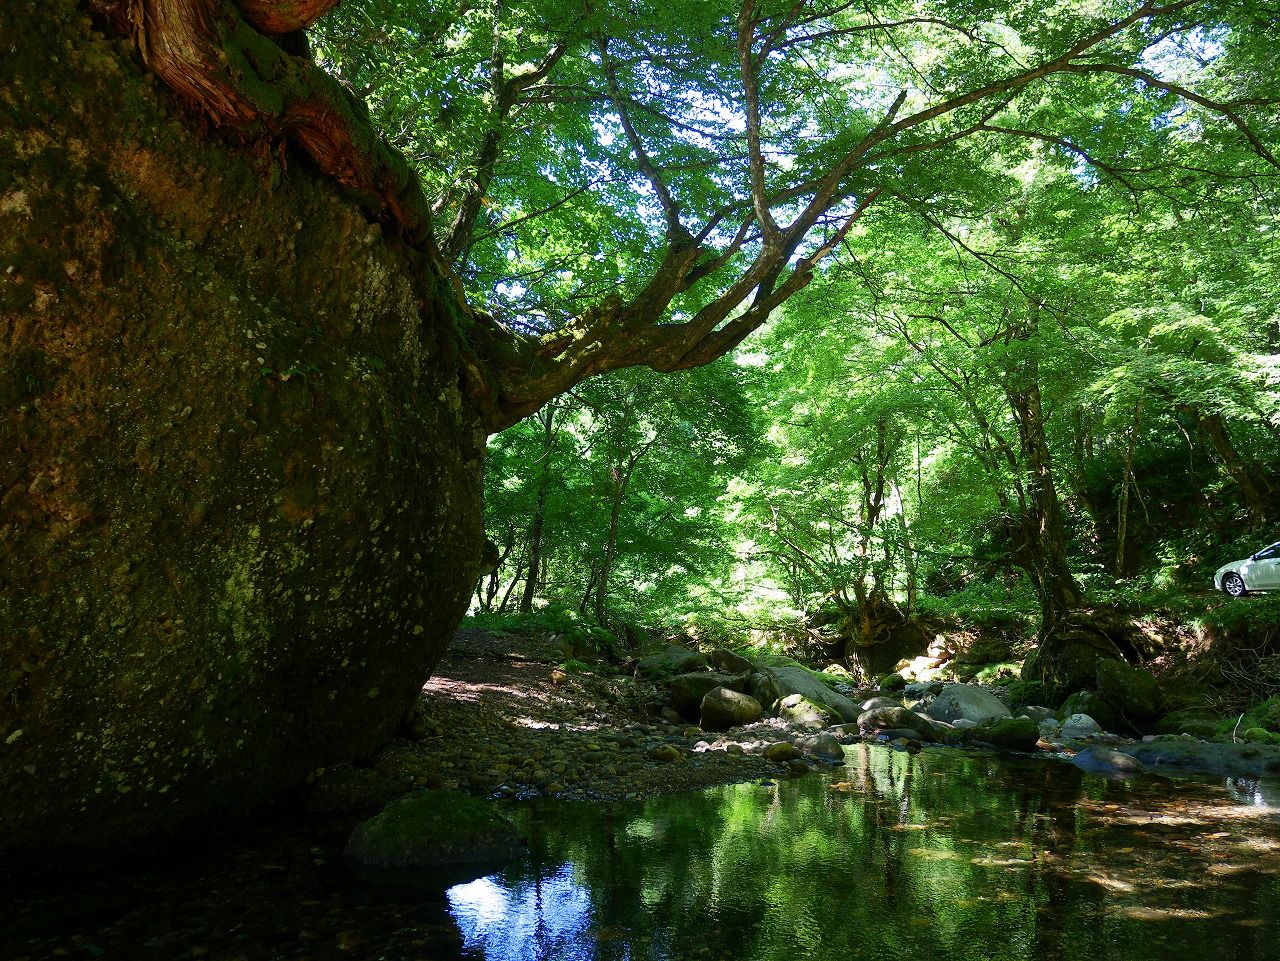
pixel 892 856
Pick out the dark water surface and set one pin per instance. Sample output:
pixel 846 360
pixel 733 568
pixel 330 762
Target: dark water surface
pixel 893 856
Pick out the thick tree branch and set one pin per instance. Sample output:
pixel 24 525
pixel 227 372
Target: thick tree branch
pixel 284 16
pixel 217 63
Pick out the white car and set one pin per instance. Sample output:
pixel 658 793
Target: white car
pixel 1261 572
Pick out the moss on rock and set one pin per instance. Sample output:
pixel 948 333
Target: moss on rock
pixel 241 487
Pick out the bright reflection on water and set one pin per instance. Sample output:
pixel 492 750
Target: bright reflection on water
pixel 893 856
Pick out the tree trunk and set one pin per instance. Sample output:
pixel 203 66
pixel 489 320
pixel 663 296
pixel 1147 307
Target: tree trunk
pixel 611 542
pixel 1122 523
pixel 240 483
pixel 539 513
pixel 1253 483
pixel 1042 518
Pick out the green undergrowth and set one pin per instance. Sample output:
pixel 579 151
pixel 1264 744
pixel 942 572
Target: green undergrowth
pixel 583 638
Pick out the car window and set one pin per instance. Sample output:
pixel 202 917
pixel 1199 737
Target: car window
pixel 1270 552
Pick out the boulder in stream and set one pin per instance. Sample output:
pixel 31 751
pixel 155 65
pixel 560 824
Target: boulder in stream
pixel 1008 733
pixel 883 719
pixel 688 690
pixel 967 701
pixel 798 709
pixel 1080 725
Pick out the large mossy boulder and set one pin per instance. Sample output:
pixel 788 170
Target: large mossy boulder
pixel 968 702
pixel 723 659
pixel 772 684
pixel 723 708
pixel 432 829
pixel 1086 702
pixel 1007 733
pixel 985 649
pixel 240 482
pixel 673 660
pixel 1133 691
pixel 687 690
pixel 800 710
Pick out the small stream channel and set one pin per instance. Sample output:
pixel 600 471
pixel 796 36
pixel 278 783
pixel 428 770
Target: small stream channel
pixel 937 854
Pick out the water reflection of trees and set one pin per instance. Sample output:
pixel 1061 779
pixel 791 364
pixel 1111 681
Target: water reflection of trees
pixel 971 854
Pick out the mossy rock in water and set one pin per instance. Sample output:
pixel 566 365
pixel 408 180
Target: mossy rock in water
pixel 434 828
pixel 892 682
pixel 1009 733
pixel 1086 702
pixel 1133 691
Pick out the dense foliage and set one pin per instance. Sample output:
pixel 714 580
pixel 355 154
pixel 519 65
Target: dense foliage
pixel 1034 358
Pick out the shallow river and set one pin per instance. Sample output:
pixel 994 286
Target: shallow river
pixel 893 856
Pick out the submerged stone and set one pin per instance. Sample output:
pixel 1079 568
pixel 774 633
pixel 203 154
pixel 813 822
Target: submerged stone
pixel 1108 762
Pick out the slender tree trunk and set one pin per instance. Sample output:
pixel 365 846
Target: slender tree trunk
pixel 586 595
pixel 491 585
pixel 611 543
pixel 1126 482
pixel 908 554
pixel 539 513
pixel 622 482
pixel 515 579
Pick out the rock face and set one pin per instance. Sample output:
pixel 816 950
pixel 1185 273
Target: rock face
pixel 432 829
pixel 241 487
pixel 772 684
pixel 967 701
pixel 723 708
